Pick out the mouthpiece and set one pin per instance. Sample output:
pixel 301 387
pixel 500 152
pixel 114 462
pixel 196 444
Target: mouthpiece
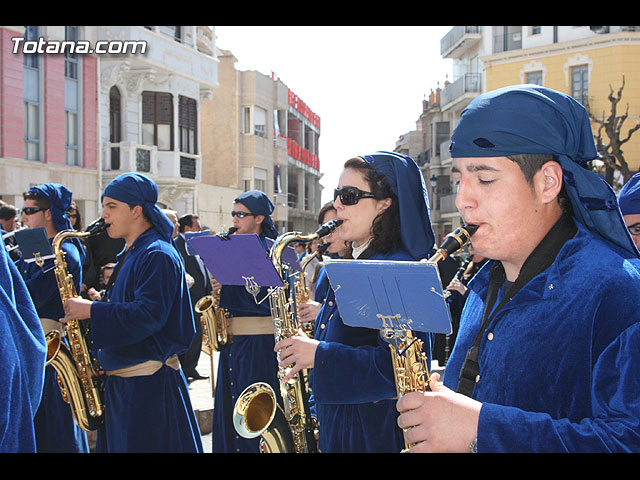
pixel 454 241
pixel 97 226
pixel 328 227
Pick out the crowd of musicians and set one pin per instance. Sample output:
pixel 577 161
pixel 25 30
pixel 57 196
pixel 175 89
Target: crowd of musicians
pixel 544 354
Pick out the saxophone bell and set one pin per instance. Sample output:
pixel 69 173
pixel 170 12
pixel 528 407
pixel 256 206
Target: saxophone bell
pixel 257 413
pixel 215 331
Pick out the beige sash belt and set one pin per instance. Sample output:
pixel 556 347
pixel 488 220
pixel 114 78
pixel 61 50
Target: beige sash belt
pixel 251 326
pixel 49 325
pixel 145 368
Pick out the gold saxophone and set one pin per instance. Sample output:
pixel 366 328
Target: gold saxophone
pixel 256 411
pixel 77 370
pixel 301 290
pixel 409 361
pixel 214 319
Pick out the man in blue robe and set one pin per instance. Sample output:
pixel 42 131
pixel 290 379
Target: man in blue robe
pixel 142 327
pixel 249 358
pixel 45 206
pixel 547 357
pixel 23 352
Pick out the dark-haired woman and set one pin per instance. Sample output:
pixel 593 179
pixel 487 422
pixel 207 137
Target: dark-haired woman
pixel 382 202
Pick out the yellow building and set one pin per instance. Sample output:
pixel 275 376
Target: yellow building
pixel 586 65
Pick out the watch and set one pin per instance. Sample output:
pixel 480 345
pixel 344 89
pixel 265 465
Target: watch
pixel 473 446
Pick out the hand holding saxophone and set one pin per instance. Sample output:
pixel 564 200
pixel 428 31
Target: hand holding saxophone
pixel 440 420
pixel 298 351
pixel 76 308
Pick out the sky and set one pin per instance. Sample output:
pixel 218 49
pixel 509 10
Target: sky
pixel 366 83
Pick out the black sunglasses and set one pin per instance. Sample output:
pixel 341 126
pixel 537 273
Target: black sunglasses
pixel 32 210
pixel 351 195
pixel 242 214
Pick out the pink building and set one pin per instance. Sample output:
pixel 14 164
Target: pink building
pixel 48 115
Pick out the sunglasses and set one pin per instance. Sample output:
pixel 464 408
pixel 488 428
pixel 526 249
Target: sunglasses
pixel 32 210
pixel 351 195
pixel 634 229
pixel 242 214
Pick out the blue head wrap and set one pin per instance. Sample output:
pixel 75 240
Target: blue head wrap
pixel 138 189
pixel 259 204
pixel 406 181
pixel 59 198
pixel 532 119
pixel 629 198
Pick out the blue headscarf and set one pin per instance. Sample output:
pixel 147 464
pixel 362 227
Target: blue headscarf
pixel 259 204
pixel 138 189
pixel 59 198
pixel 629 198
pixel 531 119
pixel 407 183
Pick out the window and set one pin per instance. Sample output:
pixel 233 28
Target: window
pixel 536 30
pixel 187 123
pixel 157 120
pixel 260 179
pixel 70 59
pixel 71 100
pixel 580 83
pixel 254 121
pixel 534 78
pixel 115 135
pixel 506 38
pixel 442 134
pixel 31 83
pixel 259 121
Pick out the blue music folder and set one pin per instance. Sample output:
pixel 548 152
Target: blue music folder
pixel 34 244
pixel 397 294
pixel 239 260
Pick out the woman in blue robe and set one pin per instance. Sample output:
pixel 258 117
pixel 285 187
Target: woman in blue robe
pixel 382 201
pixel 145 322
pixel 56 430
pixel 553 365
pixel 23 352
pixel 249 358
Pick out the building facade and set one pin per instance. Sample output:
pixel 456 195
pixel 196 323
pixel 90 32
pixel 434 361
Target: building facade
pixel 79 118
pixel 258 134
pixel 585 62
pixel 48 115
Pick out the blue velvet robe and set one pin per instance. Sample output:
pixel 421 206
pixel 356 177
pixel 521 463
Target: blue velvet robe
pixel 562 370
pixel 56 431
pixel 352 383
pixel 23 353
pixel 147 316
pixel 247 360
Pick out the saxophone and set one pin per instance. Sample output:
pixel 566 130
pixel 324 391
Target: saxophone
pixel 214 319
pixel 409 361
pixel 301 290
pixel 77 370
pixel 256 411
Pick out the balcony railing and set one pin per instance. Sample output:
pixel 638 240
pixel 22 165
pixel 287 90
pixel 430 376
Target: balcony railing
pixel 456 37
pixel 467 83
